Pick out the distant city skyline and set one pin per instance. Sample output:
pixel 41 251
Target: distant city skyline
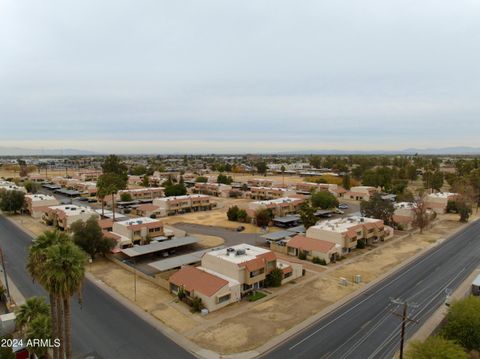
pixel 230 77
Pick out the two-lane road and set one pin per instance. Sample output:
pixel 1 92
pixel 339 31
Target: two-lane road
pixel 365 327
pixel 102 325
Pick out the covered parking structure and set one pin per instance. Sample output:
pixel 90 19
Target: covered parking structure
pixel 165 248
pixel 193 258
pixel 287 221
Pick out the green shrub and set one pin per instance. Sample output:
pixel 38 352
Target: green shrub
pixel 302 255
pixel 361 244
pixel 274 278
pixel 197 304
pixel 320 261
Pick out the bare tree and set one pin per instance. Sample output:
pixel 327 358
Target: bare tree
pixel 422 216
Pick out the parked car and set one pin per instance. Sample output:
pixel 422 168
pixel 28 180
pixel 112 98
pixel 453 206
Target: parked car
pixel 240 228
pixel 343 206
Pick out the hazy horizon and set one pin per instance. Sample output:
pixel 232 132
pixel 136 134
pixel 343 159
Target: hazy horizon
pixel 228 77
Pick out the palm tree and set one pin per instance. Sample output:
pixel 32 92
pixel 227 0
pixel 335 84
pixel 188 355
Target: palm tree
pixel 32 308
pixel 64 273
pixel 36 267
pixel 39 328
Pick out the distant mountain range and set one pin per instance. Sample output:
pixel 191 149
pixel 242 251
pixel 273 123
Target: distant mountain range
pixel 17 151
pixel 408 151
pixel 459 150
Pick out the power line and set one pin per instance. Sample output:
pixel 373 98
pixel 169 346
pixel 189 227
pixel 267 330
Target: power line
pixel 405 319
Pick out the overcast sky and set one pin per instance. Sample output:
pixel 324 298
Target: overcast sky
pixel 239 76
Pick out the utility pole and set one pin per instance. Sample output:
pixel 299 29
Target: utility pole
pixel 5 275
pixel 405 319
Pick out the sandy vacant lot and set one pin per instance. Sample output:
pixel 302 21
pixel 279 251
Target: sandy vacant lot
pixel 151 298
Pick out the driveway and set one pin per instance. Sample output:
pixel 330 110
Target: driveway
pixel 230 236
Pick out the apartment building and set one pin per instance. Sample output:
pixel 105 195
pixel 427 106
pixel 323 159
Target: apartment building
pixel 213 189
pixel 346 232
pixel 36 204
pixel 266 193
pixel 309 187
pixel 10 186
pixel 279 207
pixel 138 229
pixel 312 247
pixel 260 182
pixel 62 216
pixel 404 215
pixel 438 201
pixel 361 193
pixel 225 275
pixel 143 193
pixel 169 206
pixel 88 176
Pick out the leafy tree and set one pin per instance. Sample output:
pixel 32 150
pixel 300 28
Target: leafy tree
pixel 89 236
pixel 31 187
pixel 263 217
pixel 307 215
pixel 146 181
pixel 11 201
pixel 138 170
pixel 378 208
pixel 316 161
pixel 463 323
pixel 437 180
pixel 435 347
pixel 261 167
pixel 346 181
pixel 125 197
pixel 201 179
pixel 224 179
pixel 412 173
pixel 232 213
pixel 242 216
pixel 274 278
pixel 323 200
pixel 113 179
pixel 178 189
pixel 464 209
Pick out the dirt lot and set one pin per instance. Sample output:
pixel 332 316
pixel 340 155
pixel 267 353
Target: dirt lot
pixel 245 331
pixel 151 298
pixel 32 225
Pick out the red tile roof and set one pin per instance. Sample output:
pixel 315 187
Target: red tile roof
pixel 196 280
pixel 310 244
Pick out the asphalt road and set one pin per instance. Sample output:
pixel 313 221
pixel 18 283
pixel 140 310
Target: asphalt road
pixel 365 327
pixel 102 325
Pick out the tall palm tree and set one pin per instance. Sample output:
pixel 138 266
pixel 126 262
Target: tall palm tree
pixel 36 267
pixel 64 273
pixel 27 312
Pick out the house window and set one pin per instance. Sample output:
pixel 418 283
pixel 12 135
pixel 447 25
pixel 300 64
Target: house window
pixel 289 274
pixel 174 288
pixel 257 272
pixel 224 298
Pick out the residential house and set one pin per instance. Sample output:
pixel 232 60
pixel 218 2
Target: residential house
pixel 404 215
pixel 260 182
pixel 266 193
pixel 62 216
pixel 346 232
pixel 183 204
pixel 10 186
pixel 312 247
pixel 361 193
pixel 37 204
pixel 309 187
pixel 438 201
pixel 138 229
pixel 213 189
pixel 279 207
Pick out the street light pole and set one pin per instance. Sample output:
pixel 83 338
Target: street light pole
pixel 5 275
